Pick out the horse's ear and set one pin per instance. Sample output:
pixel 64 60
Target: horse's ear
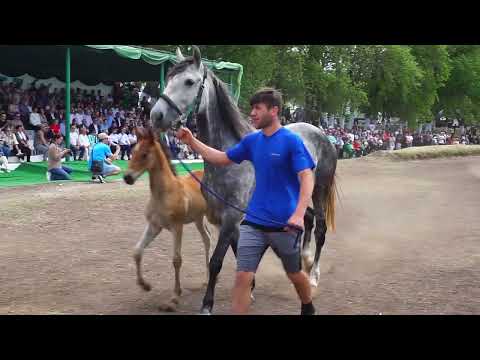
pixel 180 56
pixel 197 56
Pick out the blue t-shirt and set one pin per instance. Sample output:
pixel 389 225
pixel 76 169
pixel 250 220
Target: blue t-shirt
pixel 100 152
pixel 277 160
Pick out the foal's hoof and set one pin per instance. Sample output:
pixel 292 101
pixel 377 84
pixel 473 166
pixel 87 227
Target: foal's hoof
pixel 144 285
pixel 168 307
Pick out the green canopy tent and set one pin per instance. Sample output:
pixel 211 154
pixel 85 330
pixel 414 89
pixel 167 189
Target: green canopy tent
pixel 92 64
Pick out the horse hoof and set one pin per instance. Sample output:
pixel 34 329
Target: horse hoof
pixel 145 286
pixel 205 312
pixel 168 307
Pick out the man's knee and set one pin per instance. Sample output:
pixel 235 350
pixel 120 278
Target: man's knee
pixel 297 277
pixel 243 279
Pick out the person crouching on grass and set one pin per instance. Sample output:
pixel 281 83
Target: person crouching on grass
pixel 55 154
pixel 101 157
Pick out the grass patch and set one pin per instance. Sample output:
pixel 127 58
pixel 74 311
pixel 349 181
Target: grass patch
pixel 429 152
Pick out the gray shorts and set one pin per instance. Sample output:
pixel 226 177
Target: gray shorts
pixel 253 243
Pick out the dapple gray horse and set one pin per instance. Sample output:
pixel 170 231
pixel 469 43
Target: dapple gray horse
pixel 221 125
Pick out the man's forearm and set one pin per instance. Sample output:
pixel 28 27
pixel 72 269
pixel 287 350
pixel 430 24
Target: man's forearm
pixel 209 154
pixel 306 191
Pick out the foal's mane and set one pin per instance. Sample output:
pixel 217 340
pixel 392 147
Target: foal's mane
pixel 166 151
pixel 229 111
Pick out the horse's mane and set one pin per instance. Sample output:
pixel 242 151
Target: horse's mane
pixel 230 113
pixel 164 148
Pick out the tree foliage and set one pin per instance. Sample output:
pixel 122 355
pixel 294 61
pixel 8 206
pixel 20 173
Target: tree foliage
pixel 413 82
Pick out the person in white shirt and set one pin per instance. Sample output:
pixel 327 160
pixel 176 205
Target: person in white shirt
pixel 79 118
pixel 133 138
pixel 113 139
pixel 35 119
pixel 84 144
pixel 124 143
pixel 74 147
pixel 409 140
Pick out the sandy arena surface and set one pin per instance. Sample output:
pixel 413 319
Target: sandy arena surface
pixel 407 242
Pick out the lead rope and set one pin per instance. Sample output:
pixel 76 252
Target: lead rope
pixel 219 197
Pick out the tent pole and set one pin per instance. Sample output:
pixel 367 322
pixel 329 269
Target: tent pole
pixel 67 99
pixel 162 77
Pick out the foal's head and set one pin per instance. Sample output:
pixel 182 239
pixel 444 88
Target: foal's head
pixel 148 155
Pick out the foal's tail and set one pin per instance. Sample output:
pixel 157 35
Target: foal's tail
pixel 329 204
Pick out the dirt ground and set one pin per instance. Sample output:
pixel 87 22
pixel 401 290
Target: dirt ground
pixel 407 242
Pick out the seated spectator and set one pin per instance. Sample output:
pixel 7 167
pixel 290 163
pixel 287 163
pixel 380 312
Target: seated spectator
pixel 55 127
pixel 101 159
pixel 10 143
pixel 74 145
pixel 22 139
pixel 35 119
pixel 84 144
pixel 3 161
pixel 55 154
pixel 132 136
pixel 124 143
pixel 348 149
pixel 114 138
pixel 40 142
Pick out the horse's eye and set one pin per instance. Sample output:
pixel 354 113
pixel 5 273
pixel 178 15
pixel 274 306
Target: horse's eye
pixel 189 82
pixel 144 156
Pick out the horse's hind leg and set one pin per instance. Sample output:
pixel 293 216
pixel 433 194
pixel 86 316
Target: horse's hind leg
pixel 320 231
pixel 206 238
pixel 177 264
pixel 309 220
pixel 149 235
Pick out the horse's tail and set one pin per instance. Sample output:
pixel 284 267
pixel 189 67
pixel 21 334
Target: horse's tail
pixel 329 204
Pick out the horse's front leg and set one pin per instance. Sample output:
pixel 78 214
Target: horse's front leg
pixel 229 233
pixel 149 235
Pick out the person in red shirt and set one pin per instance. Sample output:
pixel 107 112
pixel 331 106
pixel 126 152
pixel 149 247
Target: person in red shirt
pixel 55 127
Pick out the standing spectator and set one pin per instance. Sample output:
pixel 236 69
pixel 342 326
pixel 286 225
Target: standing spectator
pixel 22 139
pixel 124 143
pixel 40 141
pixel 84 144
pixel 408 140
pixel 55 155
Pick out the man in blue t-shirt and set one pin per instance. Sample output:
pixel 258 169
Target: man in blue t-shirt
pixel 284 186
pixel 101 152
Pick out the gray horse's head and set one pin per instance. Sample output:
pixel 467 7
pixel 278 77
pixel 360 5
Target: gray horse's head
pixel 183 83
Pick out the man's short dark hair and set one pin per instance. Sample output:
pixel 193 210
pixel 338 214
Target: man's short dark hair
pixel 268 96
pixel 57 136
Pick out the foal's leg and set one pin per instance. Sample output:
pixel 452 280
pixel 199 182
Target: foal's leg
pixel 177 264
pixel 149 235
pixel 206 238
pixel 307 257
